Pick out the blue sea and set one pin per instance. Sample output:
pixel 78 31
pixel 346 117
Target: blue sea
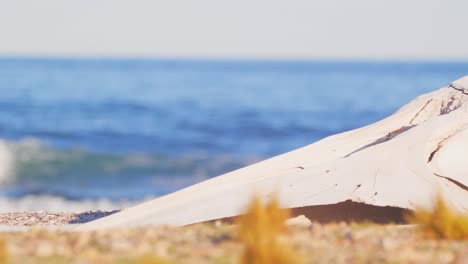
pixel 130 129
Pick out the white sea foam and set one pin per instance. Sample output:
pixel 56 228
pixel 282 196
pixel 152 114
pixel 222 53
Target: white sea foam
pixel 59 204
pixel 6 162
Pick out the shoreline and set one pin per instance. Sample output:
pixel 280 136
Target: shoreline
pixel 43 218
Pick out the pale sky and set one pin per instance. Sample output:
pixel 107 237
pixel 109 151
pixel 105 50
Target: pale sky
pixel 304 29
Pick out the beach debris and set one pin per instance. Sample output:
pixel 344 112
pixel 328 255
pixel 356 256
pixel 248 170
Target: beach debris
pixel 371 173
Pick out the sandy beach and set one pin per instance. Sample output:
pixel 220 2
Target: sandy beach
pixel 218 243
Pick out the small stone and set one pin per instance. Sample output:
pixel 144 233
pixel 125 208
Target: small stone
pixel 388 244
pixel 44 249
pixel 41 214
pixel 299 221
pixel 31 221
pixel 348 234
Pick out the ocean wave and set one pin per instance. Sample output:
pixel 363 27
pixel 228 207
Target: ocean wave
pixel 32 167
pixel 6 162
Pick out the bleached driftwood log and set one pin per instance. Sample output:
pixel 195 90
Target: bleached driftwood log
pixel 374 172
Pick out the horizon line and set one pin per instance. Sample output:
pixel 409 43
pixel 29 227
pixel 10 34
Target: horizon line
pixel 201 58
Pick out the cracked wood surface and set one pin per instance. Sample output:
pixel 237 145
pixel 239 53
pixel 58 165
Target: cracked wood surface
pixel 422 109
pixel 440 144
pixel 384 165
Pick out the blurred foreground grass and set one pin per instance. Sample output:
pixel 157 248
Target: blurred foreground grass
pixel 217 243
pixel 264 234
pixel 441 221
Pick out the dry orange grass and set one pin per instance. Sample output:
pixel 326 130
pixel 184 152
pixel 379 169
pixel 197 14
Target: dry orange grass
pixel 3 252
pixel 262 231
pixel 441 221
pixel 150 259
